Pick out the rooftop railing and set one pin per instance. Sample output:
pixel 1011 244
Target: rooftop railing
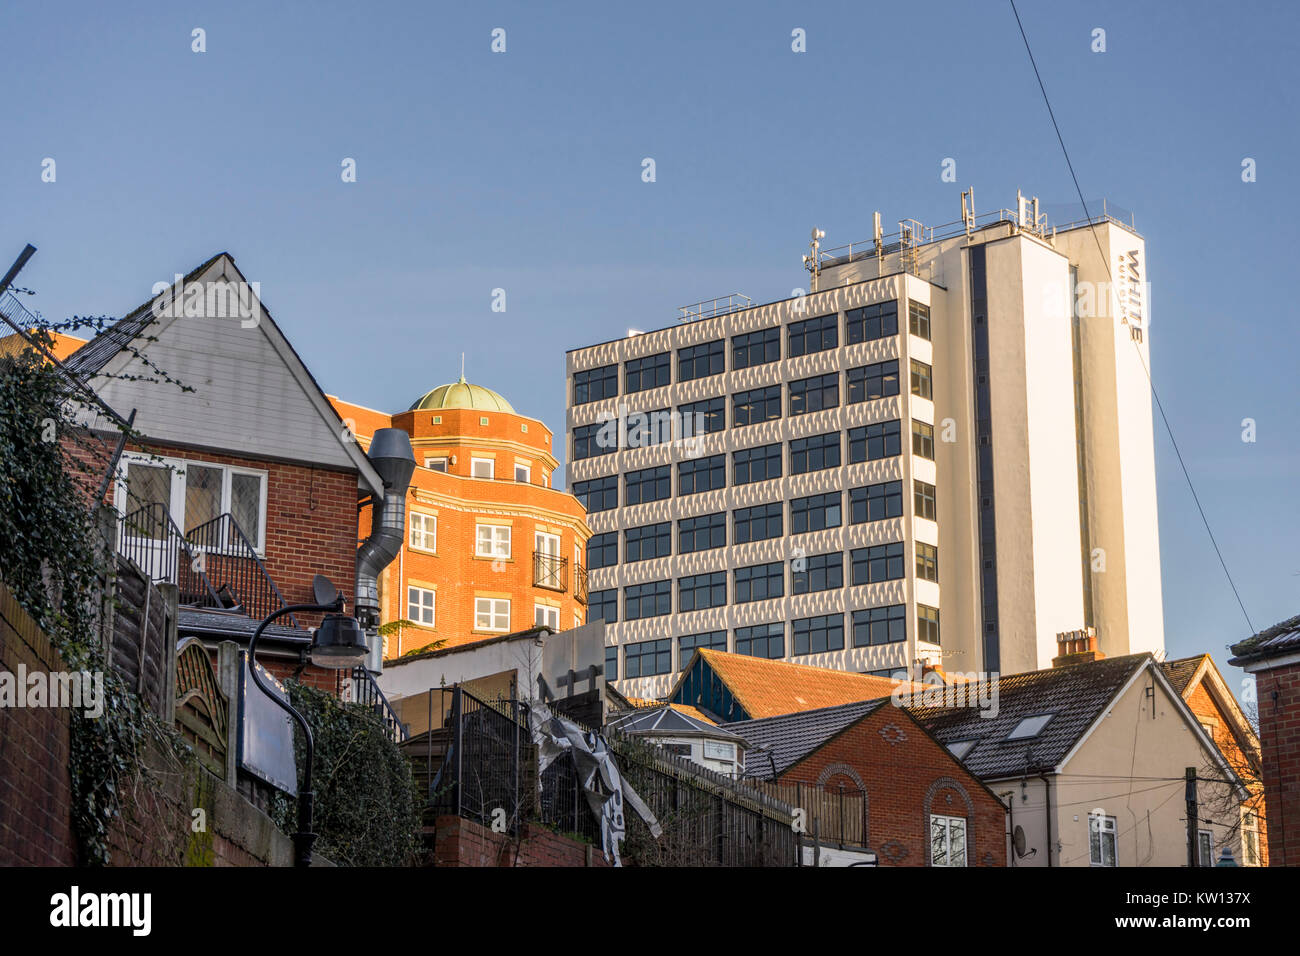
pixel 708 308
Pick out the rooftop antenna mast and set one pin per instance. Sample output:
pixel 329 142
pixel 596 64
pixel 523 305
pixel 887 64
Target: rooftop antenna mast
pixel 879 236
pixel 968 211
pixel 813 262
pixel 462 366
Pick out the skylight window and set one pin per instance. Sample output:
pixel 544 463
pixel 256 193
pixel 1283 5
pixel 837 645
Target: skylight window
pixel 1029 727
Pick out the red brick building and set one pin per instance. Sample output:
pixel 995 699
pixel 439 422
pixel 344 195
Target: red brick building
pixel 241 482
pixel 1206 693
pixel 1273 656
pixel 491 547
pixel 922 807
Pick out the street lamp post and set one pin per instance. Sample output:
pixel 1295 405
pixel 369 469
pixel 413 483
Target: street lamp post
pixel 338 643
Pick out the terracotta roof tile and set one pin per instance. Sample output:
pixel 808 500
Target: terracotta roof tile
pixel 766 688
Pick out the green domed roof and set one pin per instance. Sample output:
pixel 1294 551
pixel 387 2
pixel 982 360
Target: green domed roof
pixel 462 394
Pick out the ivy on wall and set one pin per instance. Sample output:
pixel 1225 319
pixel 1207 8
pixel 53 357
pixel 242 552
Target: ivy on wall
pixel 50 560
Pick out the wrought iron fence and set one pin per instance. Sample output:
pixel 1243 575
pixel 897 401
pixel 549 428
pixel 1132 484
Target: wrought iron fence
pixel 480 763
pixel 481 777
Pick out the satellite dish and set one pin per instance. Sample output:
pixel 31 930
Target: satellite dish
pixel 323 590
pixel 1018 841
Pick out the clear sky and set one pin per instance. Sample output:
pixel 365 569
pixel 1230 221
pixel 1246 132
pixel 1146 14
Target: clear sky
pixel 522 171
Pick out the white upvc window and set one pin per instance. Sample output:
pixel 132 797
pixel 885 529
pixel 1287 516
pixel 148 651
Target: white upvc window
pixel 1205 847
pixel 546 615
pixel 424 531
pixel 491 614
pixel 1102 847
pixel 947 841
pixel 420 605
pixel 437 464
pixel 193 493
pixel 482 467
pixel 492 541
pixel 523 473
pixel 1249 838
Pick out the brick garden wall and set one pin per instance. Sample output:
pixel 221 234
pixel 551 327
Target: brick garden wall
pixel 35 784
pixel 461 842
pixel 157 823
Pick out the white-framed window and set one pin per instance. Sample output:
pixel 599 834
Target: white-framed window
pixel 523 473
pixel 547 569
pixel 1249 838
pixel 194 493
pixel 547 615
pixel 437 464
pixel 492 541
pixel 420 605
pixel 1102 847
pixel 482 467
pixel 424 531
pixel 577 620
pixel 491 614
pixel 947 841
pixel 1205 847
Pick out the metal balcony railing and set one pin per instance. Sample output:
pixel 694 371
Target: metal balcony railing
pixel 365 691
pixel 213 566
pixel 580 583
pixel 550 571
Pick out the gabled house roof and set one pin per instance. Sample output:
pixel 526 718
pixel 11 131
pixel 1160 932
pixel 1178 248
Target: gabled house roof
pixel 1073 696
pixel 766 688
pixel 1187 674
pixel 669 720
pixel 781 742
pixel 106 356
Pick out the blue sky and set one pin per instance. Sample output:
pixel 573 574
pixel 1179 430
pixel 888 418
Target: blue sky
pixel 522 171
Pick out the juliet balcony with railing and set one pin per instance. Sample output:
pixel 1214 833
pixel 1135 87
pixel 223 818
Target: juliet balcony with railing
pixel 550 571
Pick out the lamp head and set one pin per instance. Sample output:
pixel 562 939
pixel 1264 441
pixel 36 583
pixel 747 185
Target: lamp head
pixel 339 642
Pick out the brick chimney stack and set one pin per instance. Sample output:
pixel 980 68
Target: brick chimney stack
pixel 1076 647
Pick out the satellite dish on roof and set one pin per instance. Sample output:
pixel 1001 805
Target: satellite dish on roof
pixel 323 590
pixel 1018 841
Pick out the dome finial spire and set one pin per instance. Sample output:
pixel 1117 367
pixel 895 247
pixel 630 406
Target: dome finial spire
pixel 462 366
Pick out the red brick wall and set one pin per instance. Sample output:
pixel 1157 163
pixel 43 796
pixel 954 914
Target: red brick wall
pixel 461 842
pixel 35 785
pixel 311 515
pixel 903 768
pixel 1279 725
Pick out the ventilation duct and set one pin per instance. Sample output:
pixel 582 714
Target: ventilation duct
pixel 391 456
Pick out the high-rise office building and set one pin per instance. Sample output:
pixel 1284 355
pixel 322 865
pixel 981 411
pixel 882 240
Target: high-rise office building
pixel 941 453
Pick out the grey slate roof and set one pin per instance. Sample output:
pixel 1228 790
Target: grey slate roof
pixel 791 737
pixel 1271 642
pixel 1076 695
